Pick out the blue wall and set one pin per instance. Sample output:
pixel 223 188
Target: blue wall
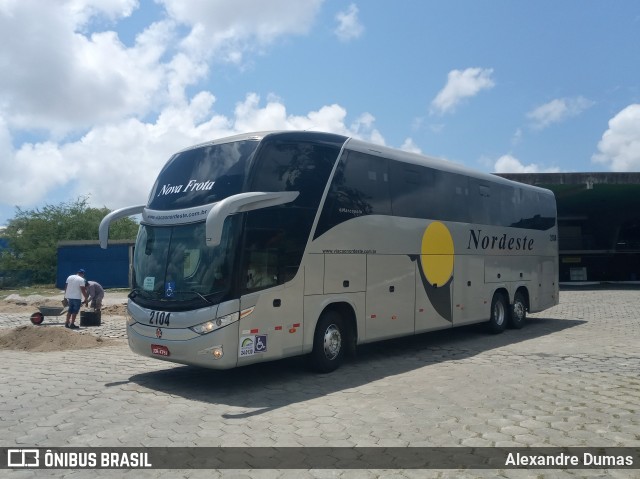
pixel 109 267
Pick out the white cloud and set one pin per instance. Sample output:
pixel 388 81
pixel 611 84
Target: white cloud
pixel 410 146
pixel 128 106
pixel 230 29
pixel 517 137
pixel 349 26
pixel 117 162
pixel 63 80
pixel 461 85
pixel 510 164
pixel 31 169
pixel 619 147
pixel 83 10
pixel 249 116
pixel 557 111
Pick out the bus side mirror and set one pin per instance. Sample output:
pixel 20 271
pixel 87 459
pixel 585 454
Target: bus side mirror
pixel 103 230
pixel 238 204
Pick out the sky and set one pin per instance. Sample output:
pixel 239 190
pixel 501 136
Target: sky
pixel 96 95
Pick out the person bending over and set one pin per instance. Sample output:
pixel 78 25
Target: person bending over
pixel 96 295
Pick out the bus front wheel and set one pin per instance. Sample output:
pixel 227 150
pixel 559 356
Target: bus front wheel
pixel 498 320
pixel 329 343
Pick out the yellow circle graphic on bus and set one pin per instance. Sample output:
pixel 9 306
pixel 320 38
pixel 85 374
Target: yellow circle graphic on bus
pixel 437 254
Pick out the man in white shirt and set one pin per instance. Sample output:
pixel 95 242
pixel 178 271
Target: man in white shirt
pixel 75 292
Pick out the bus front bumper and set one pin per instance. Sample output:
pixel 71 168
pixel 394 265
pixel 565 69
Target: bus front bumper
pixel 216 350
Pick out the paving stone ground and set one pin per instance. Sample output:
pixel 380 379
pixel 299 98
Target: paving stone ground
pixel 570 377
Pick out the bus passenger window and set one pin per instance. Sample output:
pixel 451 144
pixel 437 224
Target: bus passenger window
pixel 360 187
pixel 262 258
pixel 262 270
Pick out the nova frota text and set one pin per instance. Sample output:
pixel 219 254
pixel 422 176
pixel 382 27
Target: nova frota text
pixel 477 240
pixel 193 185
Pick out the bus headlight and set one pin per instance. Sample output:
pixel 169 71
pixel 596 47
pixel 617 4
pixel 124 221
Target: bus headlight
pixel 210 326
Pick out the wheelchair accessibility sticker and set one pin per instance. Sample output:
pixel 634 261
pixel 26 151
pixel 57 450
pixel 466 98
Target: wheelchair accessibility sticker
pixel 250 345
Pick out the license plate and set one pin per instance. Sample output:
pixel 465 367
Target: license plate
pixel 159 350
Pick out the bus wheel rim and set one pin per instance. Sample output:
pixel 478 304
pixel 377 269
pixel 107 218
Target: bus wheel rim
pixel 332 342
pixel 518 310
pixel 498 313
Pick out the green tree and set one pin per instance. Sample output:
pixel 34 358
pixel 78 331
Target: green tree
pixel 33 236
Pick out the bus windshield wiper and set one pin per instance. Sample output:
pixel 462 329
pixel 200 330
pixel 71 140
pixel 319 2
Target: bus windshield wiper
pixel 144 293
pixel 200 295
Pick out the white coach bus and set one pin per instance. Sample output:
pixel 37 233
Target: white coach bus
pixel 263 246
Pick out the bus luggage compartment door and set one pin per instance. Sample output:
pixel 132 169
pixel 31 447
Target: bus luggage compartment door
pixel 503 269
pixel 391 294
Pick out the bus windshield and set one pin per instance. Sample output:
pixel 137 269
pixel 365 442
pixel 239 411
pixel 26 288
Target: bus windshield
pixel 202 175
pixel 173 267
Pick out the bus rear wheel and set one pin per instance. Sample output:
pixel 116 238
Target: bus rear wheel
pixel 518 311
pixel 498 319
pixel 329 343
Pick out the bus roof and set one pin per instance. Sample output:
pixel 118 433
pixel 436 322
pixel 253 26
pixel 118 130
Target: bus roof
pixel 362 146
pixel 432 162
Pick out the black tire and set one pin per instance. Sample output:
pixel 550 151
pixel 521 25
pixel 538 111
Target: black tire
pixel 499 314
pixel 329 343
pixel 518 311
pixel 37 318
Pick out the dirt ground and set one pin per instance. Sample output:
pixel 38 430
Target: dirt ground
pixel 40 339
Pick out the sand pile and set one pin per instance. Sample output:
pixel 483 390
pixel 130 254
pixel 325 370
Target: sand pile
pixel 44 339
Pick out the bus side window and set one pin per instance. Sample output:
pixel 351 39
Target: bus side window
pixel 302 167
pixel 480 204
pixel 407 190
pixel 423 192
pixel 366 185
pixel 261 258
pixel 457 192
pixel 360 187
pixel 274 243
